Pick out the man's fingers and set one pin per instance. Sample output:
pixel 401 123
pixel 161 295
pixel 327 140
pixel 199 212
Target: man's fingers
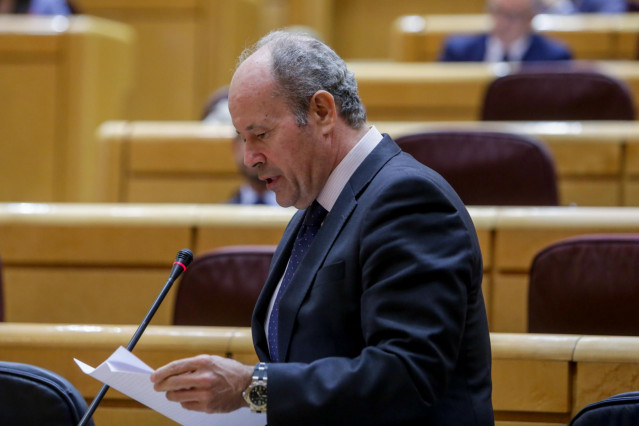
pixel 175 368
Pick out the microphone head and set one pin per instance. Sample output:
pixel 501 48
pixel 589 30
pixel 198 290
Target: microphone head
pixel 185 257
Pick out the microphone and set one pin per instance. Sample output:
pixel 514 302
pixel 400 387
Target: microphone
pixel 182 261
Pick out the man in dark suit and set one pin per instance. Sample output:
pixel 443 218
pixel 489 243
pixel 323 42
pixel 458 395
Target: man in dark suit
pixel 511 38
pixel 381 320
pixel 585 6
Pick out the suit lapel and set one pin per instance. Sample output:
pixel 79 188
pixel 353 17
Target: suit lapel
pixel 304 277
pixel 278 266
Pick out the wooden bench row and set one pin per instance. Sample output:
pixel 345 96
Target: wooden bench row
pixel 434 91
pixel 49 149
pixel 175 162
pixel 589 36
pixel 537 379
pixel 106 263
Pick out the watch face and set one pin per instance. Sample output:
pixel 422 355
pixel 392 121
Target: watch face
pixel 258 395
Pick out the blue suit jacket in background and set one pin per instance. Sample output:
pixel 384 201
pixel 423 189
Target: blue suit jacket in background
pixel 601 6
pixel 472 48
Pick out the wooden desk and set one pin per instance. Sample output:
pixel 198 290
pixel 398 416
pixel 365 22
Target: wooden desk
pixel 59 79
pixel 105 263
pixel 597 162
pixel 191 162
pixel 589 36
pixel 426 91
pixel 169 162
pixel 537 379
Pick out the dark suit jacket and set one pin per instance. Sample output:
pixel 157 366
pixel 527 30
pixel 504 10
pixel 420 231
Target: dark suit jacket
pixel 472 48
pixel 602 6
pixel 384 321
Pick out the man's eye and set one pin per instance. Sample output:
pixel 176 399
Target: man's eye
pixel 261 135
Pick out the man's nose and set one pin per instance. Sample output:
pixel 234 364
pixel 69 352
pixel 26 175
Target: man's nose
pixel 252 157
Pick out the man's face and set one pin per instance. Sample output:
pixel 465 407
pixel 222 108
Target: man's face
pixel 292 160
pixel 512 19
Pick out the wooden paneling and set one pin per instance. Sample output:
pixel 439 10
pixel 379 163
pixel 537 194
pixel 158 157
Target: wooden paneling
pixel 597 162
pixel 427 91
pixel 186 49
pixel 589 36
pixel 537 379
pixel 59 79
pixel 521 233
pixel 106 261
pixel 79 295
pixel 188 162
pixel 361 28
pixel 631 193
pixel 604 365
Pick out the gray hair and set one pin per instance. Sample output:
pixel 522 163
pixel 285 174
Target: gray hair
pixel 301 66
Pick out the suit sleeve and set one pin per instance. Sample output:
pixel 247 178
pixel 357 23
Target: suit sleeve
pixel 419 267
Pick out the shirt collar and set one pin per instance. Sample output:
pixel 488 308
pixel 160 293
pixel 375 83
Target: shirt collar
pixel 345 169
pixel 495 49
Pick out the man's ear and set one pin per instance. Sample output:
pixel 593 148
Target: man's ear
pixel 323 110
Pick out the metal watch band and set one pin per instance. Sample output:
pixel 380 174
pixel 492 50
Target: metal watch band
pixel 259 373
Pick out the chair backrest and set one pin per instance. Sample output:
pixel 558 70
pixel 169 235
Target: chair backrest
pixel 220 287
pixel 488 168
pixel 586 285
pixel 618 410
pixel 557 93
pixel 31 395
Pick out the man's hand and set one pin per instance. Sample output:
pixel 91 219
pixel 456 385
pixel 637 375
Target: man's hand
pixel 206 383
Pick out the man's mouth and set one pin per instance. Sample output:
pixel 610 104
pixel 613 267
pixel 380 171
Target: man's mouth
pixel 270 181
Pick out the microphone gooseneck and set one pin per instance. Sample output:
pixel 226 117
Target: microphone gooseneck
pixel 182 261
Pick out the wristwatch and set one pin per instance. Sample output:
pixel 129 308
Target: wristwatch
pixel 255 394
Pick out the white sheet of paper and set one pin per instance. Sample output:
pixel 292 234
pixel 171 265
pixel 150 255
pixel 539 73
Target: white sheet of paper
pixel 126 373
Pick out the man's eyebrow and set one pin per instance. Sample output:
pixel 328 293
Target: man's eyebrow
pixel 255 126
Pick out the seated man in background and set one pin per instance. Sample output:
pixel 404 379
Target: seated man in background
pixel 511 39
pixel 585 6
pixel 252 190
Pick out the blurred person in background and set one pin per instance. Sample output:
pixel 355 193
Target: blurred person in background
pixel 584 6
pixel 252 190
pixel 511 39
pixel 37 7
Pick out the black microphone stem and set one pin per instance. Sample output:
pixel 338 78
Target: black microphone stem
pixel 183 259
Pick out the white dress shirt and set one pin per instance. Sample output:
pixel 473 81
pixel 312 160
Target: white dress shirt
pixel 336 183
pixel 495 49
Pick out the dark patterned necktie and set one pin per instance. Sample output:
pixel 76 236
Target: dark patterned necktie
pixel 312 222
